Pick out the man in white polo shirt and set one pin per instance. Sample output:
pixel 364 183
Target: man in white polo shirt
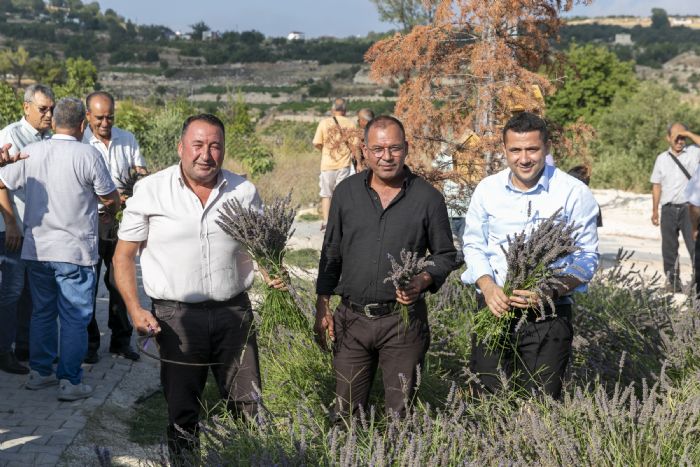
pixel 197 277
pixel 121 153
pixel 672 170
pixel 63 180
pixel 15 300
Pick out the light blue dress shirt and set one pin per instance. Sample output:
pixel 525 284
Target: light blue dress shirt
pixel 499 209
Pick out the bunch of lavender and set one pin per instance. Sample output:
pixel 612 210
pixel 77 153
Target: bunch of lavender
pixel 402 273
pixel 529 260
pixel 265 234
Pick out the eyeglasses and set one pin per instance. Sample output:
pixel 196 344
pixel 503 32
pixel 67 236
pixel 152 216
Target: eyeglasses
pixel 44 109
pixel 394 151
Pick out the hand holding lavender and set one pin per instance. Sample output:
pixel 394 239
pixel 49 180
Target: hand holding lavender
pixel 403 273
pixel 530 262
pixel 265 234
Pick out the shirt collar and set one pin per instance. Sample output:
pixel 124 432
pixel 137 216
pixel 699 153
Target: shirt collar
pixel 94 139
pixel 64 137
pixel 27 126
pixel 670 150
pixel 408 179
pixel 220 179
pixel 542 182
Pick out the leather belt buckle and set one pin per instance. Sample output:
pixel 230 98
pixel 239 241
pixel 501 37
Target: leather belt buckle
pixel 374 310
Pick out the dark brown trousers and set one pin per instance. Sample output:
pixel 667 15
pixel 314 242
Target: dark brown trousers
pixel 536 356
pixel 363 343
pixel 220 333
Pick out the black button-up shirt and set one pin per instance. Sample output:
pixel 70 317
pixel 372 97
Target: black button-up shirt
pixel 360 234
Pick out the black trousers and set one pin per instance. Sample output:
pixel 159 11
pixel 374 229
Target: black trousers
pixel 674 219
pixel 536 356
pixel 221 333
pixel 363 343
pixel 118 321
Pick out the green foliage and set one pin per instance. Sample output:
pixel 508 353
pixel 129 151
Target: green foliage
pixel 161 136
pixel 10 105
pixel 133 118
pixel 631 133
pixel 322 88
pixel 242 143
pixel 659 19
pixel 593 77
pixel 81 78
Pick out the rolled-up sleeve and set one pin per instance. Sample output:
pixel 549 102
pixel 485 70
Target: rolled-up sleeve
pixel 583 212
pixel 475 239
pixel 442 250
pixel 134 224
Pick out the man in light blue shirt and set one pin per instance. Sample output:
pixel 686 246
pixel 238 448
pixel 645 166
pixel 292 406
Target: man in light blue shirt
pixel 516 199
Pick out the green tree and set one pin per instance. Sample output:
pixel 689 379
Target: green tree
pixel 407 13
pixel 17 63
pixel 242 142
pixel 631 133
pixel 10 105
pixel 81 78
pixel 198 29
pixel 659 19
pixel 46 69
pixel 592 77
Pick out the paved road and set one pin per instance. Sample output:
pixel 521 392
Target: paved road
pixel 36 428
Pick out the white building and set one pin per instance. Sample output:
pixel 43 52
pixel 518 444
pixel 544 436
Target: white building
pixel 623 39
pixel 295 36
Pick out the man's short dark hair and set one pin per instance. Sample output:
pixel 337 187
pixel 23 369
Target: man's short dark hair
pixel 69 113
pixel 104 94
pixel 525 122
pixel 208 118
pixel 384 121
pixel 581 172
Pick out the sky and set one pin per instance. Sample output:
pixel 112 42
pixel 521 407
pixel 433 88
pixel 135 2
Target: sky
pixel 338 18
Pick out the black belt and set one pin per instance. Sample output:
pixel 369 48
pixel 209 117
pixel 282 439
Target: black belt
pixel 678 205
pixel 208 304
pixel 372 310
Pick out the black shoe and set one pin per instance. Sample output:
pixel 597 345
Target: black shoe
pixel 9 364
pixel 125 352
pixel 22 355
pixel 91 357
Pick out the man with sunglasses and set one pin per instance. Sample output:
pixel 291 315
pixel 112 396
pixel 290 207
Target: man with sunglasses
pixel 375 213
pixel 121 153
pixel 669 178
pixel 15 301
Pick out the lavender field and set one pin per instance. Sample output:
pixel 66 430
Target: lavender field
pixel 633 396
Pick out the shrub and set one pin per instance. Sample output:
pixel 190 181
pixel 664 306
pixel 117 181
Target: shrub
pixel 10 105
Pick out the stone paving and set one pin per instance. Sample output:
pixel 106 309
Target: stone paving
pixel 35 427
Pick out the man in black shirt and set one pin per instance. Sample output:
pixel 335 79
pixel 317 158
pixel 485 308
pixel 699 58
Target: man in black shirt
pixel 375 213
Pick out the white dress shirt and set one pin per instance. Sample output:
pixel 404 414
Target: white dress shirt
pixel 122 153
pixel 185 256
pixel 671 178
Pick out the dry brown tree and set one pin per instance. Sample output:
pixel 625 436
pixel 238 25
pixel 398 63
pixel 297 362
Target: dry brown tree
pixel 463 75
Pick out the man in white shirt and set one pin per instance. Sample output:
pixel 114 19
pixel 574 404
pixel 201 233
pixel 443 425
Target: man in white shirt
pixel 121 153
pixel 15 300
pixel 672 170
pixel 197 277
pixel 63 181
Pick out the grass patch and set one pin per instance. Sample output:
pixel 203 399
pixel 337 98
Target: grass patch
pixel 305 258
pixel 147 426
pixel 309 217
